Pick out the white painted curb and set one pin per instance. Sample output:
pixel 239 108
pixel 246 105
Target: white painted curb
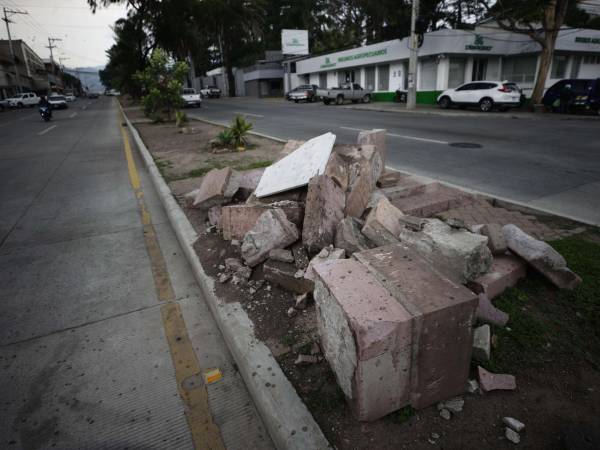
pixel 290 424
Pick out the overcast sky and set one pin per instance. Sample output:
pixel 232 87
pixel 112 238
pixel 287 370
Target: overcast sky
pixel 85 36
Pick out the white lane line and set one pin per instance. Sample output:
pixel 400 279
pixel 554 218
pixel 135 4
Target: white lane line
pixel 72 115
pixel 46 130
pixel 403 136
pixel 248 114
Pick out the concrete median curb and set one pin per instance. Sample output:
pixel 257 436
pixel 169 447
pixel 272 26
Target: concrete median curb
pixel 288 420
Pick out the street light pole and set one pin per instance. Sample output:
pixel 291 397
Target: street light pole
pixel 411 98
pixel 12 51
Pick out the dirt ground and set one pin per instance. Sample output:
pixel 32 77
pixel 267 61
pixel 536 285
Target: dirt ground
pixel 551 344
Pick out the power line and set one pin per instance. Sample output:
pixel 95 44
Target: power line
pixel 7 21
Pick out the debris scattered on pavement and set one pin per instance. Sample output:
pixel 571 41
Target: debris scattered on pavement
pixel 481 343
pixel 212 375
pixel 512 435
pixel 513 423
pixel 495 381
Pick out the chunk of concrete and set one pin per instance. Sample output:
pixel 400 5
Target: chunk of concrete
pixel 324 255
pixel 301 259
pixel 297 168
pixel 505 272
pixel 541 257
pixel 323 211
pixel 443 313
pixel 214 216
pixel 373 199
pixel 237 220
pixel 367 343
pixel 272 230
pixel 413 223
pixel 290 147
pixel 382 225
pixel 429 199
pixel 376 138
pixel 360 186
pixel 217 187
pixel 454 405
pixel 487 312
pixel 512 435
pixel 513 424
pixel 495 381
pixel 459 254
pixel 496 242
pixel 337 170
pixel 481 343
pixel 280 254
pixel 349 237
pixel 284 275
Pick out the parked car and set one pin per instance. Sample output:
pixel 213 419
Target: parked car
pixel 486 95
pixel 112 93
pixel 70 97
pixel 191 98
pixel 93 95
pixel 210 92
pixel 24 99
pixel 348 91
pixel 581 95
pixel 306 92
pixel 58 102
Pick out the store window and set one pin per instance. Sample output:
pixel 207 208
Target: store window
pixel 519 69
pixel 383 77
pixel 456 74
pixel 370 78
pixel 559 66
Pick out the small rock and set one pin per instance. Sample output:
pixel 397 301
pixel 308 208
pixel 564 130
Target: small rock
pixel 221 267
pixel 481 343
pixel 454 405
pixel 291 312
pixel 487 312
pixel 514 424
pixel 315 349
pixel 495 381
pixel 444 413
pixel 435 435
pixel 299 274
pixel 301 301
pixel 304 360
pixel 459 224
pixel 512 435
pixel 280 254
pixel 472 386
pixel 252 291
pixel 235 242
pixel 476 228
pixel 224 277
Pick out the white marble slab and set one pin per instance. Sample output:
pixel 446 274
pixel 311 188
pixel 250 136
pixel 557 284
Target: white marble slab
pixel 296 169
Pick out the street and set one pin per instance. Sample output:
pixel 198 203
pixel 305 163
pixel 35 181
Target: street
pixel 547 163
pixel 104 331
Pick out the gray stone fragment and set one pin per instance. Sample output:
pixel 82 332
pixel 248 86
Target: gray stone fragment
pixel 514 424
pixel 459 224
pixel 454 405
pixel 496 242
pixel 481 343
pixel 349 237
pixel 472 386
pixel 301 301
pixel 382 225
pixel 280 254
pixel 324 255
pixel 444 413
pixel 512 435
pixel 305 360
pixel 541 256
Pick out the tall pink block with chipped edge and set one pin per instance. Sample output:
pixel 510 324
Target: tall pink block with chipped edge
pixel 443 314
pixel 366 338
pixel 505 272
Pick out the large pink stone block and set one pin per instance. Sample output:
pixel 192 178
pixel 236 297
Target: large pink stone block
pixel 443 313
pixel 237 220
pixel 217 186
pixel 505 272
pixel 365 336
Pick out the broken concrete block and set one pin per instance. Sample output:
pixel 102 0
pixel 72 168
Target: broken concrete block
pixel 495 381
pixel 323 211
pixel 454 405
pixel 349 237
pixel 272 230
pixel 214 216
pixel 413 223
pixel 459 224
pixel 297 168
pixel 541 257
pixel 376 138
pixel 443 312
pixel 217 187
pixel 291 146
pixel 324 255
pixel 459 254
pixel 300 255
pixel 360 186
pixel 373 199
pixel 284 275
pixel 248 181
pixel 445 414
pixel 280 254
pixel 337 170
pixel 513 424
pixel 512 435
pixel 236 270
pixel 472 386
pixel 426 200
pixel 367 343
pixel 486 312
pixel 389 179
pixel 481 343
pixel 496 242
pixel 301 301
pixel 505 272
pixel 190 197
pixel 237 220
pixel 305 360
pixel 382 225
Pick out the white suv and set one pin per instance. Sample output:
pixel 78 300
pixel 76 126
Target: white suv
pixel 25 99
pixel 487 95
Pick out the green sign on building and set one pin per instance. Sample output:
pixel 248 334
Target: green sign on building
pixel 362 55
pixel 478 44
pixel 587 40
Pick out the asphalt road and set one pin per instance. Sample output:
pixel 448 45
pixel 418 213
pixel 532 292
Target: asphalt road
pixel 86 331
pixel 550 163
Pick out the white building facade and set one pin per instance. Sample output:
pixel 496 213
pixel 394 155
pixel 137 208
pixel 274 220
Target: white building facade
pixel 449 58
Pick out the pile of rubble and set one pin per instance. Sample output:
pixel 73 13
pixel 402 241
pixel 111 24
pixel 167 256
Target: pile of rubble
pixel 397 293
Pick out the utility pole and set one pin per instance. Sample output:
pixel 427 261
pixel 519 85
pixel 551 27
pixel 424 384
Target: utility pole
pixel 411 98
pixel 12 51
pixel 51 46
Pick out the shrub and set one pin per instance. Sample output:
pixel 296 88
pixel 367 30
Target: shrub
pixel 225 138
pixel 180 118
pixel 239 129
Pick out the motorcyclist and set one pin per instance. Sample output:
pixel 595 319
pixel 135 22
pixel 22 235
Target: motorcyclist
pixel 44 103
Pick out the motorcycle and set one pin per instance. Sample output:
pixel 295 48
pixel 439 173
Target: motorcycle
pixel 45 113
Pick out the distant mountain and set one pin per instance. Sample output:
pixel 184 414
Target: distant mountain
pixel 89 77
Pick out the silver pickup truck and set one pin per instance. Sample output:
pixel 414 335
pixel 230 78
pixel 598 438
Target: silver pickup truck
pixel 349 91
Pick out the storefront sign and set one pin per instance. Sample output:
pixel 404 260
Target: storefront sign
pixel 294 42
pixel 356 56
pixel 478 44
pixel 587 40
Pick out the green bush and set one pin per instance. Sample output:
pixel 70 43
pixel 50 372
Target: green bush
pixel 225 138
pixel 239 129
pixel 180 118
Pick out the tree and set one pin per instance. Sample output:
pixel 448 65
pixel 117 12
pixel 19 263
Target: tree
pixel 162 81
pixel 541 20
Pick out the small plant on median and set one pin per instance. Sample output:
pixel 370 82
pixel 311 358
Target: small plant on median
pixel 225 138
pixel 180 118
pixel 239 129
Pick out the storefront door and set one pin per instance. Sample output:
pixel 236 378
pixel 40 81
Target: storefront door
pixel 479 69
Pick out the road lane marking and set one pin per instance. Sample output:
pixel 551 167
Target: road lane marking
pixel 46 130
pixel 248 114
pixel 72 115
pixel 403 136
pixel 205 433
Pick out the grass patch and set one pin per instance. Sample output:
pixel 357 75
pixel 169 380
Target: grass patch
pixel 236 165
pixel 402 415
pixel 548 325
